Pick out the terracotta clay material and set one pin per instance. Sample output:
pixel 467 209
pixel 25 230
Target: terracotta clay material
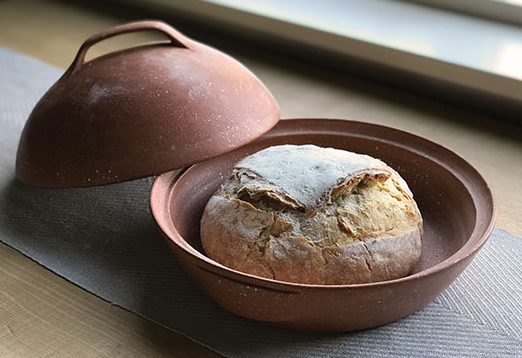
pixel 140 112
pixel 454 200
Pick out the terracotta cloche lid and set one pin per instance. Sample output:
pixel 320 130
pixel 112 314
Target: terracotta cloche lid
pixel 141 112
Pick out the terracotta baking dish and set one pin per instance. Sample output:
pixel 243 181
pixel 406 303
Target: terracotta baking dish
pixel 454 199
pixel 164 106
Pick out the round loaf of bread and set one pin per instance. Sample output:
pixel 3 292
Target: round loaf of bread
pixel 306 214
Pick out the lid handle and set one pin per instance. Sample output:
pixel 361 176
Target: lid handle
pixel 175 37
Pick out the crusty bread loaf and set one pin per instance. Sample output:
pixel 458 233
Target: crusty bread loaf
pixel 314 215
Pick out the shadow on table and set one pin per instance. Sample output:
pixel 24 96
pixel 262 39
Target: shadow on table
pixel 104 240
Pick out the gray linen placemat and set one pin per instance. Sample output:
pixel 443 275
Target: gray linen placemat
pixel 104 240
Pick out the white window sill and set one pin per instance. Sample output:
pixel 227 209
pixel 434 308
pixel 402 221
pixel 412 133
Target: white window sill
pixel 468 52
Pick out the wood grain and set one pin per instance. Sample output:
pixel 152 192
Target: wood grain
pixel 42 315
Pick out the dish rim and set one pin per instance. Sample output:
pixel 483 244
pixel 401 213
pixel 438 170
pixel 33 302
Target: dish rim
pixel 476 239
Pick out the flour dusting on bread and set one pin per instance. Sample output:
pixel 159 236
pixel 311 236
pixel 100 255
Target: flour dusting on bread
pixel 313 215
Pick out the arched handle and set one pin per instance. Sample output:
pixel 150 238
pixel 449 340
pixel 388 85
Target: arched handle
pixel 175 37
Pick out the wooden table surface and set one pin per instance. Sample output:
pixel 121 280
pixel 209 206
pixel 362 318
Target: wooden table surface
pixel 42 315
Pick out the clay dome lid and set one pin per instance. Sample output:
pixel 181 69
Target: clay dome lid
pixel 140 112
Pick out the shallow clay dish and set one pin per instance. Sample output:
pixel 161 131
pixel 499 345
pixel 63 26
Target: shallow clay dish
pixel 455 202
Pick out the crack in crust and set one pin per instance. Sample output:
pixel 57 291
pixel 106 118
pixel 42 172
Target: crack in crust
pixel 365 227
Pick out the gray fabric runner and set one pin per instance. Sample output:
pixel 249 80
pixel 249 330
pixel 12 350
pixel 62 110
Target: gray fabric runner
pixel 104 240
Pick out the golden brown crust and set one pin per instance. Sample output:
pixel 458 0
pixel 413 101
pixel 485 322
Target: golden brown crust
pixel 365 228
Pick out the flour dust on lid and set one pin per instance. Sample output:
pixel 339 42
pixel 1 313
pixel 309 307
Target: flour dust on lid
pixel 141 111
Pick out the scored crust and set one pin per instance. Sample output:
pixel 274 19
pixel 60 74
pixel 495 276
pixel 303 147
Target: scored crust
pixel 313 215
